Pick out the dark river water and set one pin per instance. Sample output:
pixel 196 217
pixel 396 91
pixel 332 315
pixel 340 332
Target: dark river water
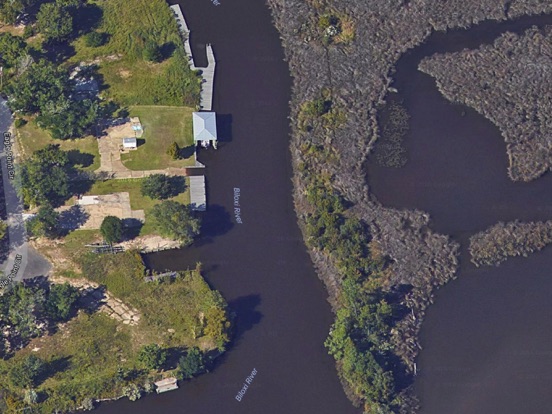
pixel 488 339
pixel 261 266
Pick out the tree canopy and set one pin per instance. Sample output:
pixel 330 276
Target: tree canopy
pixel 160 186
pixel 112 229
pixel 45 223
pixel 176 221
pixel 12 48
pixel 54 22
pixel 41 85
pixel 61 301
pixel 45 177
pixel 27 373
pixel 152 356
pixel 191 364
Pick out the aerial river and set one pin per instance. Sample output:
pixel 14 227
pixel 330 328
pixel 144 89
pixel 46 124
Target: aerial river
pixel 260 265
pixel 487 340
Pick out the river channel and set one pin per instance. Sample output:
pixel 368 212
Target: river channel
pixel 487 340
pixel 261 266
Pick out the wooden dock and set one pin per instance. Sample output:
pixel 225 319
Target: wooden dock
pixel 198 199
pixel 207 73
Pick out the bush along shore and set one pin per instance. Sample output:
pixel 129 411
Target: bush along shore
pixel 381 266
pixel 506 82
pixel 494 245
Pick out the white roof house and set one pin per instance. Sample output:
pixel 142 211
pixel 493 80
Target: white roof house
pixel 129 143
pixel 205 127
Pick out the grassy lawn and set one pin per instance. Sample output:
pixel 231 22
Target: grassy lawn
pixel 129 79
pixel 137 200
pixel 82 151
pixel 162 125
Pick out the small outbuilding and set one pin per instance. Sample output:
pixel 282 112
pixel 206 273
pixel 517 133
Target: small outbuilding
pixel 205 128
pixel 167 384
pixel 130 143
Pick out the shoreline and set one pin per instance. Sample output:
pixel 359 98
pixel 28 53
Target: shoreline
pixel 385 222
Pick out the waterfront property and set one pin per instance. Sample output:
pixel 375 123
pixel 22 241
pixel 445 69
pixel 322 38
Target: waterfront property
pixel 205 129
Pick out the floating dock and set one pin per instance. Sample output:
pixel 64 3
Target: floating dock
pixel 207 73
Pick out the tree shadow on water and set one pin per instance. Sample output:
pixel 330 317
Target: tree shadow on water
pixel 247 315
pixel 216 221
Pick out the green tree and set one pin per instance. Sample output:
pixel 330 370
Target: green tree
pixel 61 301
pixel 41 85
pixel 67 118
pixel 217 326
pixel 45 176
pixel 191 364
pixel 94 39
pixel 45 223
pixel 152 356
pixel 27 373
pixel 176 221
pixel 159 186
pixel 54 22
pixel 174 151
pixel 112 229
pixel 152 52
pixel 12 48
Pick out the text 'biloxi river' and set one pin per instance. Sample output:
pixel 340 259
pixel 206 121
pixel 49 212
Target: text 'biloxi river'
pixel 246 384
pixel 237 208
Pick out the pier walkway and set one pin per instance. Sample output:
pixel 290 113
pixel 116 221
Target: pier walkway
pixel 208 73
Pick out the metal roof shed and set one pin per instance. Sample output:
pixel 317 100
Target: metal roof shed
pixel 130 143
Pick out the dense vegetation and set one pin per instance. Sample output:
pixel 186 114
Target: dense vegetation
pixel 176 221
pixel 375 350
pixel 505 82
pixel 184 325
pixel 45 177
pixel 29 311
pixel 503 240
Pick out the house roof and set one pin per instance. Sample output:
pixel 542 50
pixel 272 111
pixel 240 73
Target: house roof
pixel 205 126
pixel 129 140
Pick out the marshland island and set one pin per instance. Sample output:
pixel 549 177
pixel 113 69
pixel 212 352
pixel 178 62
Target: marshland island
pixel 409 140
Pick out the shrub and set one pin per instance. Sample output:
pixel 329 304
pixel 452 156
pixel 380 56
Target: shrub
pixel 20 122
pixel 94 39
pixel 132 392
pixel 174 151
pixel 152 356
pixel 152 52
pixel 27 372
pixel 191 364
pixel 112 229
pixel 88 404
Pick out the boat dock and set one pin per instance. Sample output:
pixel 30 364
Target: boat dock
pixel 198 199
pixel 207 73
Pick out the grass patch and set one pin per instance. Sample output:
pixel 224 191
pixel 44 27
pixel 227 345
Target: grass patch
pixel 83 152
pixel 87 352
pixel 137 200
pixel 130 79
pixel 162 126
